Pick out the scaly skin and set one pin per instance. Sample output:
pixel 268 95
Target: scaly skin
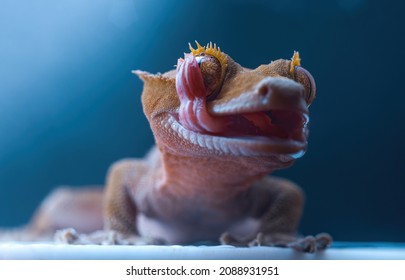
pixel 207 178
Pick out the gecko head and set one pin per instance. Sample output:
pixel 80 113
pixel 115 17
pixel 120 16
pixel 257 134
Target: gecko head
pixel 211 106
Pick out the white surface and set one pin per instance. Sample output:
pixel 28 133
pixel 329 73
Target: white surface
pixel 52 251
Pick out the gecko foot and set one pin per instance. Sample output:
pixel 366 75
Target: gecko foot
pixel 102 237
pixel 309 244
pixel 228 239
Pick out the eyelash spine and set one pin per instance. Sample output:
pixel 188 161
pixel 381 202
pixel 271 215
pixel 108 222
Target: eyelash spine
pixel 295 61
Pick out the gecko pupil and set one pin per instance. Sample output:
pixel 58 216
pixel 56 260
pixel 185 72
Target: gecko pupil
pixel 211 71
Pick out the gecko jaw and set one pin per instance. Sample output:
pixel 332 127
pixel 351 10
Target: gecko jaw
pixel 243 145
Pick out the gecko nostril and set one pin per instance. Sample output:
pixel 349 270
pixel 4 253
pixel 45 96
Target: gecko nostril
pixel 263 90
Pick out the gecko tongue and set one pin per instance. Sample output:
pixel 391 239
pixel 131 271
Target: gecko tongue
pixel 193 114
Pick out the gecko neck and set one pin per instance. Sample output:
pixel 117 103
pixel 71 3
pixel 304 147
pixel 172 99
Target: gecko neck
pixel 207 177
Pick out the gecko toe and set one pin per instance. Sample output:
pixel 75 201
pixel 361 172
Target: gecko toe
pixel 228 239
pixel 306 244
pixel 323 241
pixel 66 236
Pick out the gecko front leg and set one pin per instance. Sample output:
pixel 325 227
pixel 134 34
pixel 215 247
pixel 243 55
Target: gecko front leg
pixel 120 211
pixel 278 204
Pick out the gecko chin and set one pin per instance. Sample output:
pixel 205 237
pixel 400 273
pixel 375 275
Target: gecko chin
pixel 285 140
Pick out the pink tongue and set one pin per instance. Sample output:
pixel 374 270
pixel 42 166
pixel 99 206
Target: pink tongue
pixel 193 114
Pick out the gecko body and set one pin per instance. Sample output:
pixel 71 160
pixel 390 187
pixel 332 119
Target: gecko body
pixel 220 129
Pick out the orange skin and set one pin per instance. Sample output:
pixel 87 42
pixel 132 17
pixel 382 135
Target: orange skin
pixel 207 178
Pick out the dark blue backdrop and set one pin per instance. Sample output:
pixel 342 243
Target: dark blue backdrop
pixel 69 105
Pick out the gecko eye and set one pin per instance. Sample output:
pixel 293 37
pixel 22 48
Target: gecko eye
pixel 213 64
pixel 211 71
pixel 303 77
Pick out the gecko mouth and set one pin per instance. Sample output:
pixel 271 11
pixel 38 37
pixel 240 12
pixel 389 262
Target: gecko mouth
pixel 277 123
pixel 269 119
pixel 273 132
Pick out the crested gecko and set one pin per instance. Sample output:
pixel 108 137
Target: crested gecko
pixel 220 129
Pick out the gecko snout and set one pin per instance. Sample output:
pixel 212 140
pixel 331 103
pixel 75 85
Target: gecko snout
pixel 281 93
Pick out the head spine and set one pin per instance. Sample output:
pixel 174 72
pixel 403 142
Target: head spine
pixel 295 61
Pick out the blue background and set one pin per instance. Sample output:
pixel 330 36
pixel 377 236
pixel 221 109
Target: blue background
pixel 69 105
